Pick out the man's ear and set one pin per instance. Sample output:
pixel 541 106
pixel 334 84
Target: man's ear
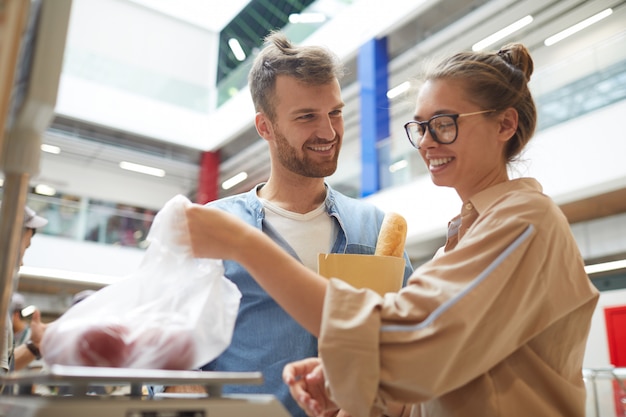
pixel 508 123
pixel 263 126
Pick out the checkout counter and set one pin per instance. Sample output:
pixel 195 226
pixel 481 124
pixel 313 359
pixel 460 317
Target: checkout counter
pixel 32 41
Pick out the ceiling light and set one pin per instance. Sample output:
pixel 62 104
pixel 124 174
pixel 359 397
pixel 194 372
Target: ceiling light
pixel 502 33
pixel 306 18
pixel 50 149
pixel 397 166
pixel 231 182
pixel 577 27
pixel 235 46
pixel 605 267
pixel 399 89
pixel 129 166
pixel 43 189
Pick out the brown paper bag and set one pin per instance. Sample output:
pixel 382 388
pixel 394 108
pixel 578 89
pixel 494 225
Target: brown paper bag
pixel 380 273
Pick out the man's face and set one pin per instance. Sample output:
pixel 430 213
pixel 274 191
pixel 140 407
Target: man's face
pixel 27 235
pixel 306 135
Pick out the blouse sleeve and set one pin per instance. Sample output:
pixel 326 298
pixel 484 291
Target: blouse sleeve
pixel 459 315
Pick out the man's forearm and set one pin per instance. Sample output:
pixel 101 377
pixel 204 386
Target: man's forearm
pixel 22 356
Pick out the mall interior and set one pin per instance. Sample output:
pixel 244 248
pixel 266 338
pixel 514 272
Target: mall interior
pixel 159 87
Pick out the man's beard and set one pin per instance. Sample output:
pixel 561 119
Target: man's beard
pixel 302 164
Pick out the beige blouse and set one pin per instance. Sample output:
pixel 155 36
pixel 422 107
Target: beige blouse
pixel 495 326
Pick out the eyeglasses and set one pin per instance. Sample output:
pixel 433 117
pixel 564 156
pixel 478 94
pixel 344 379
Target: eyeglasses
pixel 442 127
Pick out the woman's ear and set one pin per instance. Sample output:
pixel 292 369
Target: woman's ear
pixel 263 126
pixel 508 123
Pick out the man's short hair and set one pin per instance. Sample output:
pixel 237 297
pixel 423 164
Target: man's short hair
pixel 314 65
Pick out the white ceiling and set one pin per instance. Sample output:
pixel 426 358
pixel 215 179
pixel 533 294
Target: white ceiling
pixel 208 14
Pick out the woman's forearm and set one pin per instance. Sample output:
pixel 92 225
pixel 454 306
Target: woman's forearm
pixel 220 235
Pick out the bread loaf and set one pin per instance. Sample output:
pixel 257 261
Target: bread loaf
pixel 392 236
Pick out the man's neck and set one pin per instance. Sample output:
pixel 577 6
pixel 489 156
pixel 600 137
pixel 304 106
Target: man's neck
pixel 296 196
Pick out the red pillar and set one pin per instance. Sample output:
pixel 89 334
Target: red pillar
pixel 208 182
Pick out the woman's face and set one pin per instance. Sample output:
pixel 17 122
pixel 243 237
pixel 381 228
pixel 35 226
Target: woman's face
pixel 475 160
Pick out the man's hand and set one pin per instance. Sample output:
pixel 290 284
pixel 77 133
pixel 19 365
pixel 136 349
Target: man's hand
pixel 37 328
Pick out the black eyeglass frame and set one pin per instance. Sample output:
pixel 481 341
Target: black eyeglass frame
pixel 433 134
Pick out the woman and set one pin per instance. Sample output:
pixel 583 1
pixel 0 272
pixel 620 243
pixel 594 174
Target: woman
pixel 496 324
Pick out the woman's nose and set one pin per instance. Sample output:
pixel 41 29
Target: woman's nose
pixel 427 140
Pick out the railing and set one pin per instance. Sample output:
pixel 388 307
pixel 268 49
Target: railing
pixel 85 219
pixel 606 392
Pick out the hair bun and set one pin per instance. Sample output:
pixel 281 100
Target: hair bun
pixel 518 56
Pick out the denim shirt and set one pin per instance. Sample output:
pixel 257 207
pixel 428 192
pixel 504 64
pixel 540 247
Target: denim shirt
pixel 266 338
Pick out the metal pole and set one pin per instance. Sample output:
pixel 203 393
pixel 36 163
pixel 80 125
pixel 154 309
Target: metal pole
pixel 11 225
pixel 34 85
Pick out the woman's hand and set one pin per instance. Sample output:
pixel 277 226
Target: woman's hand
pixel 307 386
pixel 215 233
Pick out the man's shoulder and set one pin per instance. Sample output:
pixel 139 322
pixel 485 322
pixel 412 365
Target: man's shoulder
pixel 243 205
pixel 228 201
pixel 344 200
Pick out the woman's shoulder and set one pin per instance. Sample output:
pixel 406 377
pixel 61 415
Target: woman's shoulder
pixel 523 199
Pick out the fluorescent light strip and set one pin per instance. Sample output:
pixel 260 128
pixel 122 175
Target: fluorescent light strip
pixel 43 189
pixel 399 89
pixel 50 149
pixel 234 180
pixel 397 166
pixel 235 46
pixel 129 166
pixel 605 267
pixel 502 33
pixel 577 27
pixel 306 18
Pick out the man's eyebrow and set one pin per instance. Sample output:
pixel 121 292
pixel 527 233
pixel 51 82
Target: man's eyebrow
pixel 305 110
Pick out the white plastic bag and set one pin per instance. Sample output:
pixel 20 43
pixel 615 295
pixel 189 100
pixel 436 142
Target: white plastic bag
pixel 174 312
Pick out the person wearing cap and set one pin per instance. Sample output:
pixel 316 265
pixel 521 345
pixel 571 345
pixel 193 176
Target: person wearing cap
pixel 32 222
pixel 21 328
pixel 24 353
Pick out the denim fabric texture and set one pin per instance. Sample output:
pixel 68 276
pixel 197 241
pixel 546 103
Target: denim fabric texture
pixel 266 338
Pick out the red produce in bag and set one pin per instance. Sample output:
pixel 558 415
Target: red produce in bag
pixel 175 312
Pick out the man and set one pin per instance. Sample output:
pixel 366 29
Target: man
pixel 298 101
pixel 28 351
pixel 21 328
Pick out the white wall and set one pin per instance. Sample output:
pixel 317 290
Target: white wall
pixel 597 354
pixel 120 186
pixel 70 257
pixel 121 58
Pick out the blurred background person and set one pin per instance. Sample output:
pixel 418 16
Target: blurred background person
pixel 19 321
pixel 31 223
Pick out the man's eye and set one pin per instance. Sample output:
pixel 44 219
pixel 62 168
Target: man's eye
pixel 336 113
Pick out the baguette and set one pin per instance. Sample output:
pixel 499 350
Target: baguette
pixel 392 236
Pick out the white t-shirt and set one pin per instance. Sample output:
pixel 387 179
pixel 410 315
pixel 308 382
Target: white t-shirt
pixel 308 234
